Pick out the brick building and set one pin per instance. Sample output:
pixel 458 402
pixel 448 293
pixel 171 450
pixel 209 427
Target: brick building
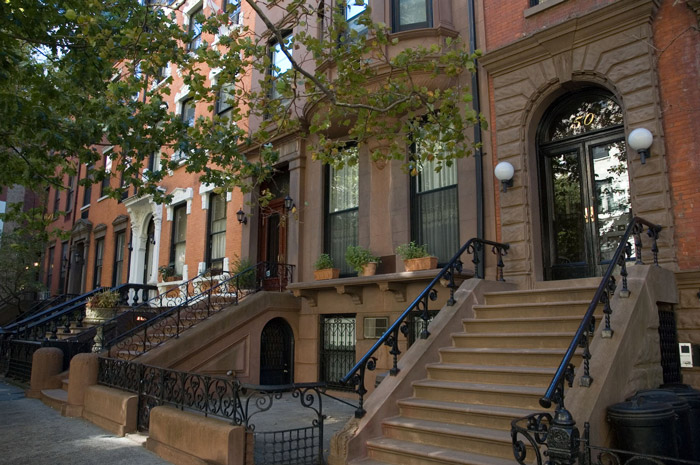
pixel 563 84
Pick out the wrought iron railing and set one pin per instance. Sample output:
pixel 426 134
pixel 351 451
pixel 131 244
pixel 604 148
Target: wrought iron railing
pixel 227 399
pixel 446 276
pixel 176 294
pixel 537 429
pixel 172 322
pixel 42 305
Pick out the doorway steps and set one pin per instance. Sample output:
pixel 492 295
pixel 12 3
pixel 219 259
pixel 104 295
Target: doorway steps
pixel 495 371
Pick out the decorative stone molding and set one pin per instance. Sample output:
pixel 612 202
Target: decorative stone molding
pixel 180 195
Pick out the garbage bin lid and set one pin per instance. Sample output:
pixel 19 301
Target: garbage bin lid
pixel 640 408
pixel 686 392
pixel 661 395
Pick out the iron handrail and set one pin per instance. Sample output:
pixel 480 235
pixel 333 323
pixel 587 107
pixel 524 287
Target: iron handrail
pixel 242 275
pixel 148 304
pixel 390 337
pixel 565 370
pixel 41 315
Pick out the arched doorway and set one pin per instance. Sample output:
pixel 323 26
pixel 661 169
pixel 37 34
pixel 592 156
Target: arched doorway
pixel 148 259
pixel 584 184
pixel 276 353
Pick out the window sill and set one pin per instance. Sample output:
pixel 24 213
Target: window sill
pixel 84 207
pixel 546 4
pixel 395 283
pixel 104 197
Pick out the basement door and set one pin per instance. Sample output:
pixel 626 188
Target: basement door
pixel 584 185
pixel 276 353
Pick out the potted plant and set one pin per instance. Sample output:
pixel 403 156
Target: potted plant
pixel 361 260
pixel 323 268
pixel 101 306
pixel 167 273
pixel 416 257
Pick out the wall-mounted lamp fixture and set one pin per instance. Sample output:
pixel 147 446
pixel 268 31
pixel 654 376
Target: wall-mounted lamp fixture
pixel 288 203
pixel 241 216
pixel 640 140
pixel 504 172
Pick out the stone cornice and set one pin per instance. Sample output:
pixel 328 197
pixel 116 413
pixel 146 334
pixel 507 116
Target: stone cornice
pixel 576 32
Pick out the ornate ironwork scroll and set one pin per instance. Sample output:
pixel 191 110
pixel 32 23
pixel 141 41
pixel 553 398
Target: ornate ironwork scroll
pixel 446 276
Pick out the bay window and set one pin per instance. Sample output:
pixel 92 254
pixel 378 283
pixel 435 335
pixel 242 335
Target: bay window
pixel 411 14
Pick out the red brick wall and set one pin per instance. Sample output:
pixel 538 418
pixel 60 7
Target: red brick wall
pixel 677 40
pixel 505 21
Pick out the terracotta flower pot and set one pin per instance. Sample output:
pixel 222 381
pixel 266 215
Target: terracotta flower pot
pixel 418 264
pixel 369 269
pixel 326 273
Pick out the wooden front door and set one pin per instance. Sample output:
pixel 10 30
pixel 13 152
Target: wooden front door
pixel 273 243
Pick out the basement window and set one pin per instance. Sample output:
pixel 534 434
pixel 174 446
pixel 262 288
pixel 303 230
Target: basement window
pixel 375 327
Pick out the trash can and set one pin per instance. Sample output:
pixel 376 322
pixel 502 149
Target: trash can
pixel 643 426
pixel 692 396
pixel 684 438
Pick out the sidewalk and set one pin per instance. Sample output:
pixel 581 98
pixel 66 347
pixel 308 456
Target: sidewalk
pixel 32 433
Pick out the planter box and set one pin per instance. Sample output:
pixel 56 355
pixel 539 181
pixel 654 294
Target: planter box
pixel 369 269
pixel 418 264
pixel 327 273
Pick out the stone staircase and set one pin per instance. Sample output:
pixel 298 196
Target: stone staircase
pixel 495 371
pixel 57 399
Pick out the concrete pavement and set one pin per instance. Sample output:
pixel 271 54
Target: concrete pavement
pixel 33 433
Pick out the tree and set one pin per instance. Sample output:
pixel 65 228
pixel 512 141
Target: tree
pixel 70 71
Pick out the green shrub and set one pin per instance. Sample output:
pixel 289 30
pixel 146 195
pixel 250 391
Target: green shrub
pixel 324 262
pixel 411 250
pixel 357 257
pixel 246 271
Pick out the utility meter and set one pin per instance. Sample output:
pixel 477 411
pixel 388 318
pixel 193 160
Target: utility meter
pixel 686 351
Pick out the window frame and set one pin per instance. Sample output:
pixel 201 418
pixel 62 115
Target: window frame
pixel 69 193
pixel 353 20
pixel 107 180
pixel 196 40
pixel 224 98
pixel 329 215
pixel 119 236
pixel 274 75
pixel 182 207
pixel 237 12
pixel 63 271
pixel 99 262
pixel 396 25
pixel 211 234
pixel 49 266
pixel 87 190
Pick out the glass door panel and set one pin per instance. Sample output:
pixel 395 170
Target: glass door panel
pixel 568 215
pixel 612 198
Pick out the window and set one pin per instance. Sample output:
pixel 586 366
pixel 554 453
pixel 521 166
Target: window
pixel 120 241
pixel 337 349
pixel 106 180
pixel 99 254
pixel 341 227
pixel 56 200
pixel 154 162
pixel 224 98
pixel 280 63
pixel 187 115
pixel 375 327
pixel 412 14
pixel 179 238
pixel 216 247
pixel 234 16
pixel 64 268
pixel 69 193
pixel 123 185
pixel 434 208
pixel 87 191
pixel 49 267
pixel 353 14
pixel 137 77
pixel 195 30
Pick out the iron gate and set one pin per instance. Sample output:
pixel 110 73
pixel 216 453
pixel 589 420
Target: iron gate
pixel 668 340
pixel 337 351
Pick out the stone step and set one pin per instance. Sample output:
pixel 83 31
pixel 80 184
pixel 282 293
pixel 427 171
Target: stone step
pixel 576 292
pixel 539 340
pixel 393 451
pixel 483 416
pixel 522 397
pixel 494 374
pixel 505 357
pixel 463 438
pixel 57 399
pixel 522 325
pixel 64 384
pixel 531 310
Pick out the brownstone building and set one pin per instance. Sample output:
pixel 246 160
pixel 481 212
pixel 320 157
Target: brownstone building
pixel 563 84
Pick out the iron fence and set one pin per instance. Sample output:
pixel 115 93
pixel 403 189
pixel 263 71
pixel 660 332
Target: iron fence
pixel 227 399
